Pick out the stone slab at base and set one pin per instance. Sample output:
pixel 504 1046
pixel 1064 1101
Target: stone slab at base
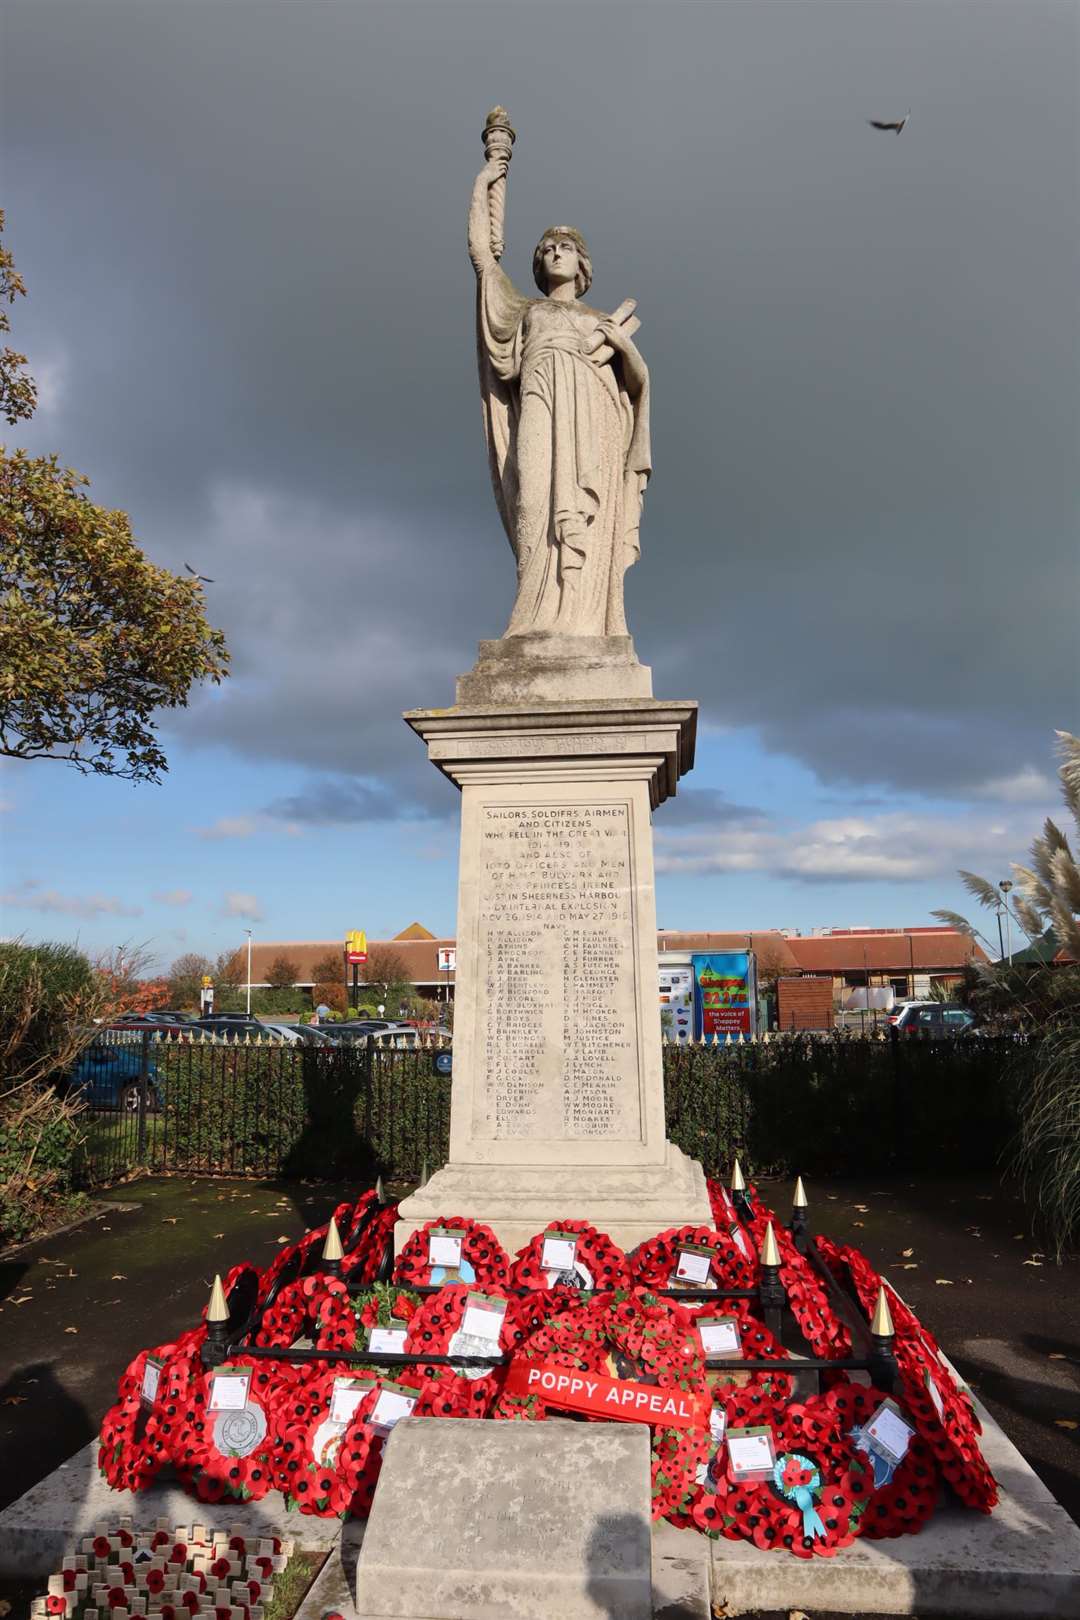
pixel 543 667
pixel 47 1522
pixel 630 1204
pixel 474 1520
pixel 1022 1562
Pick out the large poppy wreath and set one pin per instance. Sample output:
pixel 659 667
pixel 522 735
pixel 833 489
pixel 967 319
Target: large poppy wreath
pixel 136 1431
pixel 599 1264
pixel 814 1495
pixel 655 1263
pixel 484 1261
pixel 228 1453
pixel 343 1320
pixel 307 1440
pixel 943 1415
pixel 634 1335
pixel 437 1328
pixel 903 1503
pixel 359 1457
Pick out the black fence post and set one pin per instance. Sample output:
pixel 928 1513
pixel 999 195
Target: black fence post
pixel 144 1079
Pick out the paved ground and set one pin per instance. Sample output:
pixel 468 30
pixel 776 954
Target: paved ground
pixel 133 1276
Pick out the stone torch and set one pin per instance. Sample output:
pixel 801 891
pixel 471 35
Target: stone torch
pixel 498 143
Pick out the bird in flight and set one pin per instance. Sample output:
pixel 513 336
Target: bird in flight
pixel 895 124
pixel 203 577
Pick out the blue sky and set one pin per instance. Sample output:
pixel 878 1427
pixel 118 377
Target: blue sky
pixel 251 320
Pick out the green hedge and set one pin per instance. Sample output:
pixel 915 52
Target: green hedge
pixel 836 1106
pixel 845 1104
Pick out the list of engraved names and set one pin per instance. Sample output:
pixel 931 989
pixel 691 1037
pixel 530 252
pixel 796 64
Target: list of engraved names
pixel 556 937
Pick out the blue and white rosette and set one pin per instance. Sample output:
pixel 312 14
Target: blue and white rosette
pixel 803 1494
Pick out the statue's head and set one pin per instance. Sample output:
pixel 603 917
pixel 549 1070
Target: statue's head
pixel 561 255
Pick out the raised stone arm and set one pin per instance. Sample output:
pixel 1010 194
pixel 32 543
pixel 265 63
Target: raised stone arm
pixel 488 205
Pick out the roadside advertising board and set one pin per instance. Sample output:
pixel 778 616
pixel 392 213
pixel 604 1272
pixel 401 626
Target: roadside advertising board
pixel 725 993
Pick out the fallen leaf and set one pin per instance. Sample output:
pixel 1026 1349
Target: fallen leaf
pixel 15 1400
pixel 219 1234
pixel 1031 1262
pixel 1066 1423
pixel 910 1265
pixel 169 1220
pixel 1019 1235
pixel 862 1208
pixel 118 1276
pixel 944 1282
pixel 858 1223
pixel 1056 1355
pixel 907 1253
pixel 71 1330
pixel 23 1301
pixel 283 1240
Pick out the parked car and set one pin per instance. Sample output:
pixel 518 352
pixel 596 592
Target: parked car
pixel 280 1032
pixel 931 1018
pixel 108 1077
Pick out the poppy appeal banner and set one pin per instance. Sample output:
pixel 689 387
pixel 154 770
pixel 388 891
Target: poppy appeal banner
pixel 618 1399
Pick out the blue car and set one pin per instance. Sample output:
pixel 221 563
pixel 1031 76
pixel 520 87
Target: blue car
pixel 108 1077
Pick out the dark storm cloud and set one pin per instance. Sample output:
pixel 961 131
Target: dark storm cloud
pixel 694 806
pixel 243 229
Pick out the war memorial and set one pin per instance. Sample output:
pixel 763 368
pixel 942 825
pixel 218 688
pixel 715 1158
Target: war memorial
pixel 568 1376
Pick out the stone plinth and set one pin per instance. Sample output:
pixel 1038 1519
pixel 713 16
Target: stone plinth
pixel 558 1099
pixel 543 667
pixel 524 1519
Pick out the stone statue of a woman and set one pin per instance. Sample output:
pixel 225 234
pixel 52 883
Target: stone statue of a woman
pixel 566 414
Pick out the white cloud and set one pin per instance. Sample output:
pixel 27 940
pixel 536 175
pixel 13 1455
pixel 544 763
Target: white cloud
pixel 242 905
pixel 230 827
pixel 247 825
pixel 173 897
pixel 30 896
pixel 1028 785
pixel 894 847
pixel 51 373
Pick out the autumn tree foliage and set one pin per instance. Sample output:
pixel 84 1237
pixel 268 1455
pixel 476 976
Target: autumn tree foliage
pixel 282 973
pixel 330 995
pixel 329 969
pixel 94 638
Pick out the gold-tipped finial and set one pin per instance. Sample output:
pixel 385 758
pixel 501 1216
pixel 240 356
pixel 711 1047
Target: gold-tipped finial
pixel 737 1182
pixel 331 1249
pixel 882 1325
pixel 800 1200
pixel 770 1253
pixel 217 1310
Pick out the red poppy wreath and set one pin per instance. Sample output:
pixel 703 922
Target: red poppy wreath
pixel 133 1444
pixel 467 1322
pixel 224 1440
pixel 943 1414
pixel 626 1334
pixel 906 1496
pixel 824 1331
pixel 346 1321
pixel 809 1488
pixel 453 1250
pixel 688 1257
pixel 571 1255
pixel 310 1424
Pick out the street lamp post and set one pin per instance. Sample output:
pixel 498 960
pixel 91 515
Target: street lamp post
pixel 247 931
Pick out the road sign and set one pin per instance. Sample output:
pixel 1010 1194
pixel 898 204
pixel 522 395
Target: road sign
pixel 356 946
pixel 447 958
